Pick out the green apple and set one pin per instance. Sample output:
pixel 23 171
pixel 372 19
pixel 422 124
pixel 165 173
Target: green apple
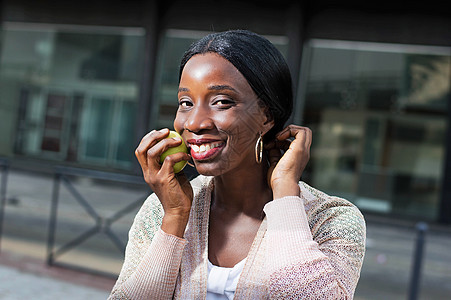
pixel 181 148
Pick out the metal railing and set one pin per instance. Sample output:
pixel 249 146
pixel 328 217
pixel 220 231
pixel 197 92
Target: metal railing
pixel 102 224
pixel 63 177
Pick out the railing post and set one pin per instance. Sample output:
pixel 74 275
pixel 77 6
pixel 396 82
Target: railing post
pixel 414 286
pixel 52 221
pixel 3 183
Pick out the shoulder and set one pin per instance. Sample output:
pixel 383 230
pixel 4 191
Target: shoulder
pixel 315 199
pixel 330 216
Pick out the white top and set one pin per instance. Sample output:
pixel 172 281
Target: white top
pixel 222 282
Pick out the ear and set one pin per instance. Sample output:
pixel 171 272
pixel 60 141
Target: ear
pixel 269 122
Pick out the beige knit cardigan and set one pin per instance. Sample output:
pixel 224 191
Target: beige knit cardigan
pixel 307 247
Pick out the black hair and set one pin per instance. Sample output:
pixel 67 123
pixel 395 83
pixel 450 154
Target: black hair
pixel 259 61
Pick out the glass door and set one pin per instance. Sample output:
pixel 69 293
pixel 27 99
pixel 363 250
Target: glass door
pixel 379 116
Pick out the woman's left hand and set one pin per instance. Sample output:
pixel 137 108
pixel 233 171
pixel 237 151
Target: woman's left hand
pixel 285 169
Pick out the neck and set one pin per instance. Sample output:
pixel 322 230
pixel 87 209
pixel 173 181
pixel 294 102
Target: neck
pixel 243 191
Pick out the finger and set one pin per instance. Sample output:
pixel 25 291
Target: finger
pixel 154 153
pixel 283 145
pixel 147 142
pixel 150 139
pixel 142 147
pixel 290 131
pixel 168 164
pixel 302 137
pixel 309 137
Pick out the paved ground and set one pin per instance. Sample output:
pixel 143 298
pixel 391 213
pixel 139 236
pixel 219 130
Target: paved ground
pixel 386 272
pixel 23 273
pixel 25 278
pixel 19 285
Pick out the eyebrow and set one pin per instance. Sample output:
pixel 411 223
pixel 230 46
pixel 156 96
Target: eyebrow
pixel 221 87
pixel 212 88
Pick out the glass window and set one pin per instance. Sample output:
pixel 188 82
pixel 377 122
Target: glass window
pixel 69 93
pixel 378 114
pixel 174 44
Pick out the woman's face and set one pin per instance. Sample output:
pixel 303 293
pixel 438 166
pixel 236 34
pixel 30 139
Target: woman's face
pixel 219 115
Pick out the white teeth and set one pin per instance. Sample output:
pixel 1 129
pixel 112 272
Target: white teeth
pixel 205 147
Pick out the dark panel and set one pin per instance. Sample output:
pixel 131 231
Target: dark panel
pixel 445 205
pixel 266 17
pixel 94 12
pixel 380 21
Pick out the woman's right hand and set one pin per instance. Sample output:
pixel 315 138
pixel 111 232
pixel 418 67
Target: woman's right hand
pixel 173 190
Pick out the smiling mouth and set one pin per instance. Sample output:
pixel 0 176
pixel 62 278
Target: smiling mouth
pixel 205 147
pixel 205 150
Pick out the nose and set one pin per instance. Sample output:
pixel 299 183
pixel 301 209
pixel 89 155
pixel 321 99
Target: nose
pixel 199 119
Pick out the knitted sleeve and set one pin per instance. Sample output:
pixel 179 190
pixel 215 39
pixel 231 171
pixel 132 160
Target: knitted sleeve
pixel 320 260
pixel 152 257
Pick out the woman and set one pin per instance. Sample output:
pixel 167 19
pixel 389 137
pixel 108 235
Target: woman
pixel 246 228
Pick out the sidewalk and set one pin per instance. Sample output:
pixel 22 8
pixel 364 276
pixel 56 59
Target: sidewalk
pixel 28 278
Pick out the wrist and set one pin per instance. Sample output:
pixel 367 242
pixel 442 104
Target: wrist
pixel 174 224
pixel 286 189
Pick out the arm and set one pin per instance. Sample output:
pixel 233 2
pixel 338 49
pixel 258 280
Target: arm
pixel 152 258
pixel 154 251
pixel 324 267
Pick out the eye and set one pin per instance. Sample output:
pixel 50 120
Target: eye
pixel 224 103
pixel 183 103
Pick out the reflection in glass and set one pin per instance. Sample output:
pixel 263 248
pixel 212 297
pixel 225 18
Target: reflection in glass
pixel 379 114
pixel 69 93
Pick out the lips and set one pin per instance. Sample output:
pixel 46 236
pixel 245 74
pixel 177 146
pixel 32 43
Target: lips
pixel 203 149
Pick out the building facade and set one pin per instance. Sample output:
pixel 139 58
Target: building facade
pixel 82 82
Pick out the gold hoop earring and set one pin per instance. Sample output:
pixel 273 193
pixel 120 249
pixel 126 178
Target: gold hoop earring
pixel 259 152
